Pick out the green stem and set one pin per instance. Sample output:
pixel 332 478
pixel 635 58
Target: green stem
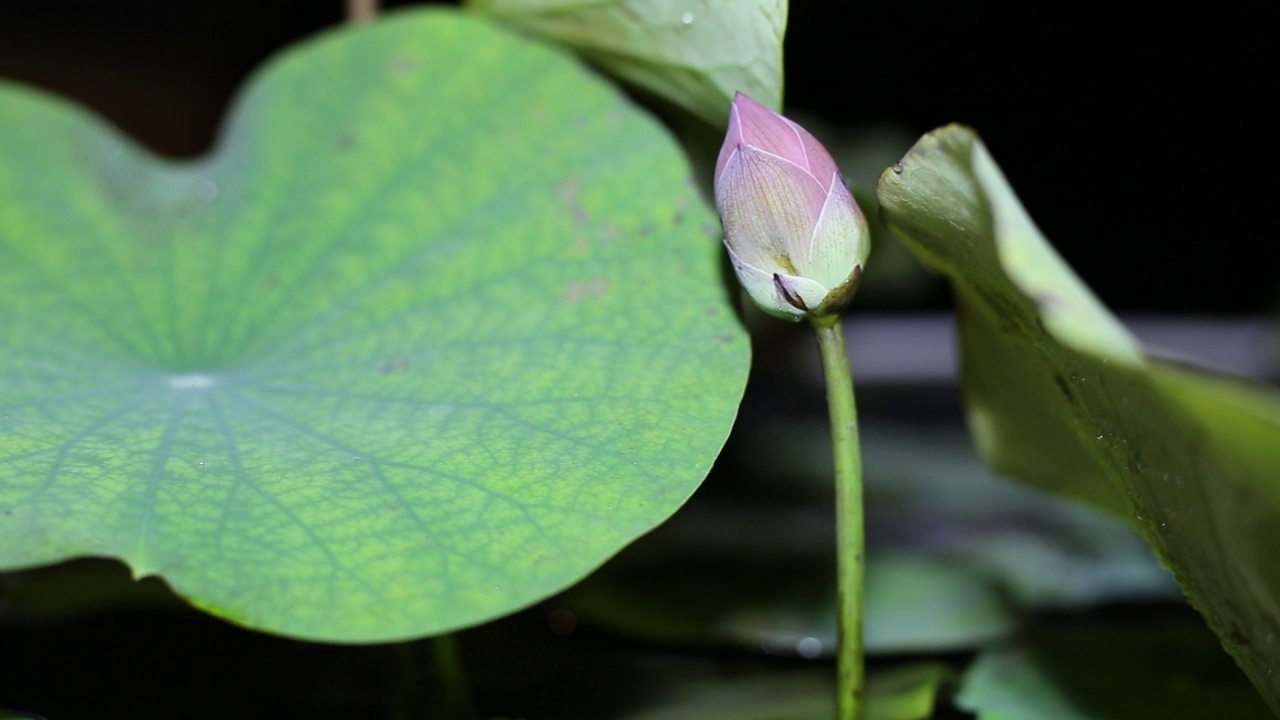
pixel 457 696
pixel 406 694
pixel 849 532
pixel 427 687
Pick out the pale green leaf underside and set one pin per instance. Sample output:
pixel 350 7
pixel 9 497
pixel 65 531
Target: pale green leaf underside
pixel 695 53
pixel 1058 394
pixel 434 331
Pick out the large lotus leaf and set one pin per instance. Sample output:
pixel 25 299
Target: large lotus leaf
pixel 1059 394
pixel 695 53
pixel 435 331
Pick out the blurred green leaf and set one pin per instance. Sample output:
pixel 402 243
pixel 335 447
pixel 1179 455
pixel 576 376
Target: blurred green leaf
pixel 434 332
pixel 694 53
pixel 916 604
pixel 784 604
pixel 908 693
pixel 1059 394
pixel 930 497
pixel 1110 672
pixel 956 556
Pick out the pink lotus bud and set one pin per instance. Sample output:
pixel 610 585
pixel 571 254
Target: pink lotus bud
pixel 795 236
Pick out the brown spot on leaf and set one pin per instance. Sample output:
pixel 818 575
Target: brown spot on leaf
pixel 403 65
pixel 576 292
pixel 682 208
pixel 570 194
pixel 395 367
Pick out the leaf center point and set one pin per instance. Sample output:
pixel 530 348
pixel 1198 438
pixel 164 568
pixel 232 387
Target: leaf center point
pixel 191 381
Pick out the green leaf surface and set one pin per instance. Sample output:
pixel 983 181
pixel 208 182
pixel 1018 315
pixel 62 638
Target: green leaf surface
pixel 1162 670
pixel 436 330
pixel 1059 394
pixel 694 53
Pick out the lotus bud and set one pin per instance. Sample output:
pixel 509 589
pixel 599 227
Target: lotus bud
pixel 795 235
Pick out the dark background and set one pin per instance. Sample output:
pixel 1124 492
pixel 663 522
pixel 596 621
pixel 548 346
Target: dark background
pixel 1136 139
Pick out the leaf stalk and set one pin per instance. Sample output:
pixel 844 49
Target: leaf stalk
pixel 850 535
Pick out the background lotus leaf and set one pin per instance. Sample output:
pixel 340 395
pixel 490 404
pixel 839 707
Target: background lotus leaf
pixel 694 53
pixel 1060 395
